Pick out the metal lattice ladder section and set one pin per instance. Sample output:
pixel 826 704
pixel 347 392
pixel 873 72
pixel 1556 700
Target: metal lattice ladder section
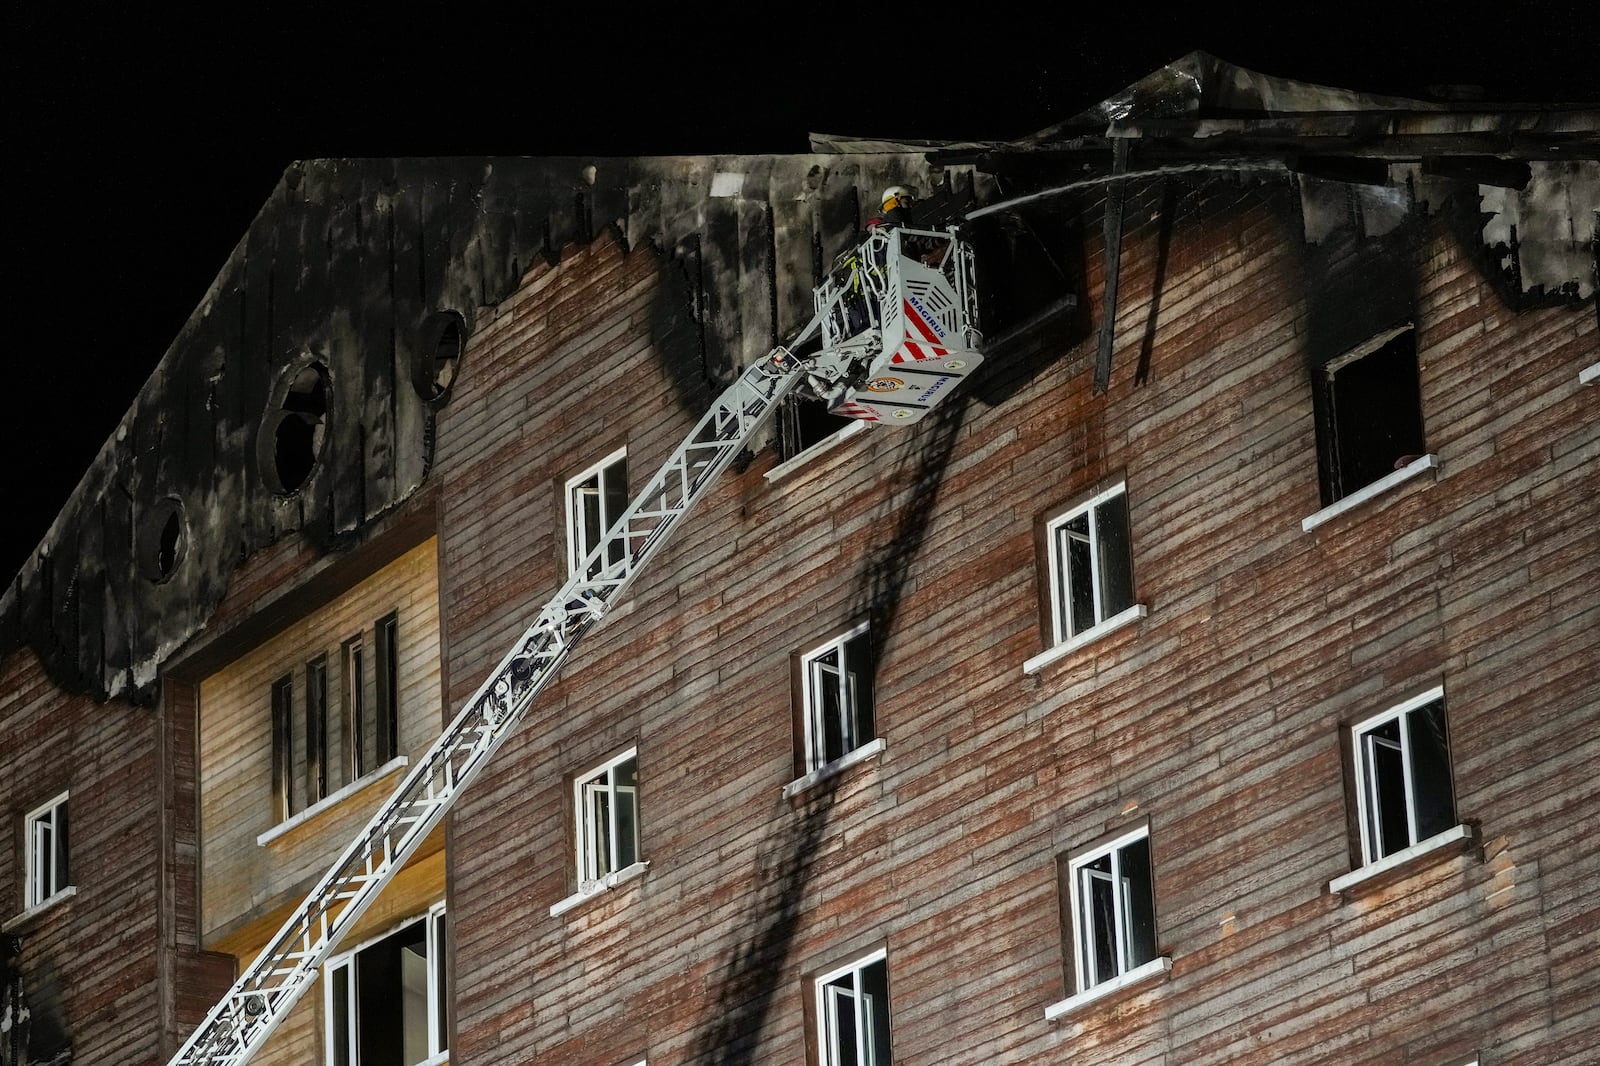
pixel 264 994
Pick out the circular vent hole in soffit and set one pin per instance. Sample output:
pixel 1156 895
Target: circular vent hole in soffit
pixel 438 361
pixel 295 428
pixel 163 539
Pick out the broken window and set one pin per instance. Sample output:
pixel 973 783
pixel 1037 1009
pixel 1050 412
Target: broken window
pixel 283 799
pixel 1111 895
pixel 607 804
pixel 853 1013
pixel 596 498
pixel 386 1002
pixel 836 697
pixel 46 835
pixel 1091 565
pixel 1023 276
pixel 317 729
pixel 292 436
pixel 438 358
pixel 1368 405
pixel 804 423
pixel 161 539
pixel 1404 793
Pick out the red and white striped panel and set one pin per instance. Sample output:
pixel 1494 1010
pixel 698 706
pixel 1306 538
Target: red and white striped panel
pixel 851 409
pixel 917 351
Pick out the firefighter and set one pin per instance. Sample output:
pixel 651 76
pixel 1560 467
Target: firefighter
pixel 898 200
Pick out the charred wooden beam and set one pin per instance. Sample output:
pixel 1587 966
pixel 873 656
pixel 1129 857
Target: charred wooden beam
pixel 1116 201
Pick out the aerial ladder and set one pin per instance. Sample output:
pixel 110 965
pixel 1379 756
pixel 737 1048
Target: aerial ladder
pixel 897 330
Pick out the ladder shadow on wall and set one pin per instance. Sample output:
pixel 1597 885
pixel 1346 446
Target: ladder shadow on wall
pixel 753 982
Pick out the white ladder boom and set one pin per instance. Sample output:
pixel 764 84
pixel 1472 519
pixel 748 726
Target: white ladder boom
pixel 266 991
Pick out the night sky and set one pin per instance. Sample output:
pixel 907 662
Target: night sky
pixel 138 148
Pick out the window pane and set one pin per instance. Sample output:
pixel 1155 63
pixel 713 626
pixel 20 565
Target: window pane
pixel 615 485
pixel 380 1020
pixel 62 878
pixel 1098 921
pixel 839 1007
pixel 43 860
pixel 441 988
pixel 626 777
pixel 825 690
pixel 599 827
pixel 1387 821
pixel 413 951
pixel 388 630
pixel 340 1020
pixel 282 750
pixel 1430 770
pixel 875 1012
pixel 1116 558
pixel 591 524
pixel 858 671
pixel 1074 549
pixel 1138 891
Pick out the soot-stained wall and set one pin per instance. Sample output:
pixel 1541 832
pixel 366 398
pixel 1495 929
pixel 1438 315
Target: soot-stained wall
pixel 297 397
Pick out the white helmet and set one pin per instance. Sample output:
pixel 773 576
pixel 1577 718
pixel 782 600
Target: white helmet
pixel 898 194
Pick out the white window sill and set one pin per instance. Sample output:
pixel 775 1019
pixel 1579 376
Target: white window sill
pixel 599 887
pixel 1067 647
pixel 833 769
pixel 1155 969
pixel 826 444
pixel 328 802
pixel 1367 492
pixel 1589 374
pixel 1453 835
pixel 441 1059
pixel 20 920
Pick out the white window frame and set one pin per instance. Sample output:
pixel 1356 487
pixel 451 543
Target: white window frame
pixel 811 705
pixel 1366 781
pixel 577 531
pixel 40 827
pixel 438 1031
pixel 1060 596
pixel 1082 929
pixel 827 1006
pixel 588 870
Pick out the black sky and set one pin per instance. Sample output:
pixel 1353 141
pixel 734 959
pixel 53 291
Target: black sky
pixel 139 147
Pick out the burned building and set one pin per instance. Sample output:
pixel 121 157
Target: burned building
pixel 1211 679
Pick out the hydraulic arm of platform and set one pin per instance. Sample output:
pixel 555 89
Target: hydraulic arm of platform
pixel 269 988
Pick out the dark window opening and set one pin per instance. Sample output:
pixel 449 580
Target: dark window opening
pixel 803 423
pixel 353 661
pixel 442 341
pixel 162 537
pixel 293 435
pixel 388 634
pixel 317 729
pixel 1022 266
pixel 283 748
pixel 1369 415
pixel 387 1002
